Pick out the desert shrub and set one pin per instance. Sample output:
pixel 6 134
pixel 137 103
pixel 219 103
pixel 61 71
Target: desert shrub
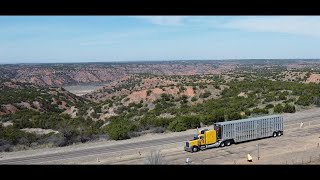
pixel 247 112
pixel 177 126
pixel 304 100
pixel 278 108
pixel 234 116
pixel 155 158
pixel 166 97
pixel 207 119
pixel 194 98
pixel 184 99
pixel 260 111
pixel 289 108
pixel 159 130
pixel 282 96
pixel 268 106
pixel 133 134
pixel 5 146
pixel 119 130
pixel 202 86
pixel 205 94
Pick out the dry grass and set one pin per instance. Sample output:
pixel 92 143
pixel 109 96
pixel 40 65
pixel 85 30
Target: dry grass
pixel 155 158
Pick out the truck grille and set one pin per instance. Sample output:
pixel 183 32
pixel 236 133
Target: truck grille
pixel 187 144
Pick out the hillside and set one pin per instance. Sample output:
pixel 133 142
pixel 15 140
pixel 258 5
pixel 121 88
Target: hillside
pixel 17 96
pixel 32 116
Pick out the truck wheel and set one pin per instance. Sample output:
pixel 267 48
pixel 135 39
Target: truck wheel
pixel 222 144
pixel 274 134
pixel 279 133
pixel 194 149
pixel 228 143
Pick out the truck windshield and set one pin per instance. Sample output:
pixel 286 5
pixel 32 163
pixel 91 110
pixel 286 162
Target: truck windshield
pixel 195 137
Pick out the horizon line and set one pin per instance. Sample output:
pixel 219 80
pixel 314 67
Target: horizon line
pixel 137 61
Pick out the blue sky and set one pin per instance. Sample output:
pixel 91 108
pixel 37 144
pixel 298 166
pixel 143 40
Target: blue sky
pixel 47 39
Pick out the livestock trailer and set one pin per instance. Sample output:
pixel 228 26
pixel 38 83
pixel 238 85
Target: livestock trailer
pixel 249 129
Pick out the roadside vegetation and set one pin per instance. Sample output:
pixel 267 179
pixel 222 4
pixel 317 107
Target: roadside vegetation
pixel 215 98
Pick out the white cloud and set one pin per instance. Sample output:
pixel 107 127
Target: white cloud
pixel 164 20
pixel 300 25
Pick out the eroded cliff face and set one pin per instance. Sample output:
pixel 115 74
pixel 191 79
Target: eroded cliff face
pixel 51 77
pixel 67 74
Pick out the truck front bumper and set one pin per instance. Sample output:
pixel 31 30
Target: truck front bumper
pixel 189 149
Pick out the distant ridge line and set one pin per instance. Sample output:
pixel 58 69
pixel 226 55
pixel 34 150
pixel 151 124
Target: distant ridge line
pixel 161 61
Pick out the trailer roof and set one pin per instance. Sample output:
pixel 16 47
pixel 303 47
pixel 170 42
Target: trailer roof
pixel 245 120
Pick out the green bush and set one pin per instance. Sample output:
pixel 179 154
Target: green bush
pixel 194 98
pixel 205 94
pixel 247 112
pixel 260 111
pixel 126 99
pixel 234 116
pixel 184 98
pixel 207 119
pixel 304 100
pixel 278 108
pixel 269 98
pixel 177 126
pixel 118 130
pixel 268 106
pixel 282 97
pixel 191 121
pixel 166 97
pixel 219 115
pixel 202 86
pixel 289 108
pixel 182 88
pixel 149 121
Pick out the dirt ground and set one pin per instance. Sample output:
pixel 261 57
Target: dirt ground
pixel 314 78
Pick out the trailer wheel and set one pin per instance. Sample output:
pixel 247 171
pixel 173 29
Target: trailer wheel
pixel 279 133
pixel 195 149
pixel 274 134
pixel 228 143
pixel 222 144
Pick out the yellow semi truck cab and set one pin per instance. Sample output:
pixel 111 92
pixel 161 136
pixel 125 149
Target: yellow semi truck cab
pixel 204 139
